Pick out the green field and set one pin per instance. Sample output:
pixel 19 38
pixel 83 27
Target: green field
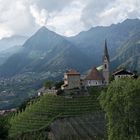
pixel 42 113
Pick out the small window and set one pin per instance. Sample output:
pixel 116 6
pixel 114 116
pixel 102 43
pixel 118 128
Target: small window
pixel 105 66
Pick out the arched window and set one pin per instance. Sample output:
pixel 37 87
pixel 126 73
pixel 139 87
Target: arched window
pixel 105 66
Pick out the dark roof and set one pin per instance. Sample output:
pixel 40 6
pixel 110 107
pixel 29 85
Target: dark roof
pixel 94 74
pixel 122 72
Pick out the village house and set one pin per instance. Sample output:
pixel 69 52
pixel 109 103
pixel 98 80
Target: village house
pixel 71 80
pixel 122 73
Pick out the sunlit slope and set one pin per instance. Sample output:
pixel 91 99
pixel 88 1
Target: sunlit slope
pixel 48 108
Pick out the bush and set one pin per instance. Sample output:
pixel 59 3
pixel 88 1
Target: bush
pixel 48 84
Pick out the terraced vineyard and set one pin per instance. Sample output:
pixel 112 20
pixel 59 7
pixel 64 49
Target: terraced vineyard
pixel 85 127
pixel 48 108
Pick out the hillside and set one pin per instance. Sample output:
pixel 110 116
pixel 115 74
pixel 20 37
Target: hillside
pixel 10 46
pixel 78 115
pixel 91 42
pixel 129 54
pixel 89 127
pixel 44 52
pixel 47 51
pixel 6 53
pixel 47 55
pixel 10 42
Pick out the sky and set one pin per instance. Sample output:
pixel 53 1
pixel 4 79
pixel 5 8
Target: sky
pixel 65 17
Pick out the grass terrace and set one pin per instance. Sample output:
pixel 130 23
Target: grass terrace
pixel 48 108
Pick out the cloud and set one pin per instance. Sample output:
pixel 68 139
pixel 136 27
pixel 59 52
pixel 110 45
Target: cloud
pixel 15 18
pixel 52 5
pixel 107 12
pixel 26 16
pixel 41 16
pixel 67 21
pixel 66 17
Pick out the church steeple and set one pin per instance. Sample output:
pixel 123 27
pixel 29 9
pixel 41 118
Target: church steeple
pixel 106 51
pixel 106 61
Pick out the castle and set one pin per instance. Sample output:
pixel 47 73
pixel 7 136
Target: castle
pixel 95 77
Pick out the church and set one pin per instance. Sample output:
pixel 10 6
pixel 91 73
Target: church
pixel 94 77
pixel 100 77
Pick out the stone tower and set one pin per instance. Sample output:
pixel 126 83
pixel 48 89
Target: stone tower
pixel 106 62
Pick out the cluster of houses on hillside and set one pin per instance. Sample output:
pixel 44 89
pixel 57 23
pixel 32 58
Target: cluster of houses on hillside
pixel 95 77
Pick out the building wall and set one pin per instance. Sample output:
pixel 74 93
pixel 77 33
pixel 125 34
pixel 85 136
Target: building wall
pixel 65 79
pixel 74 81
pixel 90 83
pixel 122 76
pixel 71 81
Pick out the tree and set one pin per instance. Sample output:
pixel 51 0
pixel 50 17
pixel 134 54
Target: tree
pixel 4 127
pixel 121 103
pixel 48 84
pixel 59 84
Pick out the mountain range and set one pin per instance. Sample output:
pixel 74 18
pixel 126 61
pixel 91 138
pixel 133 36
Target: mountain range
pixel 47 51
pixel 47 55
pixel 92 41
pixel 10 45
pixel 128 55
pixel 9 42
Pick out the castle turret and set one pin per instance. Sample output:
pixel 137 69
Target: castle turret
pixel 106 61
